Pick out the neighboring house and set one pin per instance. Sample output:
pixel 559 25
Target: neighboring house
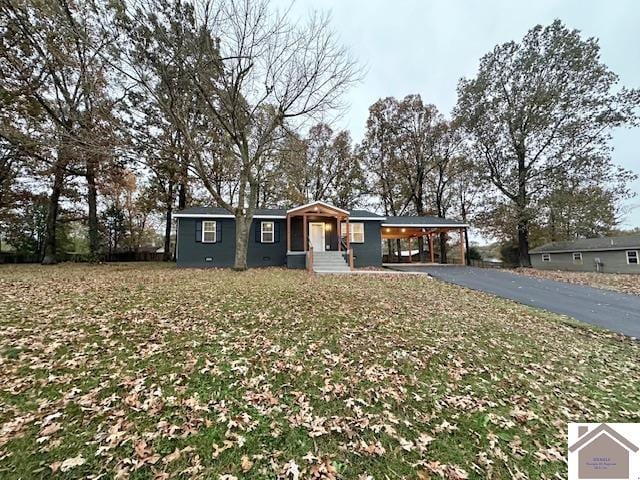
pixel 602 453
pixel 605 254
pixel 315 236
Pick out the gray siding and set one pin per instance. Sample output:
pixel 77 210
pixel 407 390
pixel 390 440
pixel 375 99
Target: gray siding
pixel 613 262
pixel 369 253
pixel 197 254
pixel 191 253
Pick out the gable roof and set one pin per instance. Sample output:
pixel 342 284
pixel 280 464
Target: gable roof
pixel 590 244
pixel 318 203
pixel 423 221
pixel 596 432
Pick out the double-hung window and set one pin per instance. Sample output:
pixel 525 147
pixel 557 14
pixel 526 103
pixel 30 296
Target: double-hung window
pixel 577 258
pixel 266 232
pixel 209 231
pixel 356 232
pixel 632 257
pixel 546 257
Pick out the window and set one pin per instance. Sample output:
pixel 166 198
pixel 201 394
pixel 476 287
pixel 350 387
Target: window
pixel 632 257
pixel 209 231
pixel 577 258
pixel 356 231
pixel 266 232
pixel 546 257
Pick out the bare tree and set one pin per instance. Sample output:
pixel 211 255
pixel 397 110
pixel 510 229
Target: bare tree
pixel 256 71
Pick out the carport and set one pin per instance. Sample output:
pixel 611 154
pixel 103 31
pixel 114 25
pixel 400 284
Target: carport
pixel 423 233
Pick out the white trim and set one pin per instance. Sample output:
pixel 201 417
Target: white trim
pixel 424 225
pixel 215 231
pixel 213 215
pixel 272 232
pixel 577 261
pixel 343 231
pixel 543 255
pixel 317 202
pixel 627 252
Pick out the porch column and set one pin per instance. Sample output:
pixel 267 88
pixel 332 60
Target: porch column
pixel 348 235
pixel 433 259
pixel 304 232
pixel 339 222
pixel 462 259
pixel 288 233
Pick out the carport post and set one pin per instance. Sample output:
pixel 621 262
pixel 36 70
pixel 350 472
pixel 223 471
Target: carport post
pixel 462 259
pixel 433 260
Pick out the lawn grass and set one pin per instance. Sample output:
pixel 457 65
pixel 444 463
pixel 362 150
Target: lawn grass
pixel 148 371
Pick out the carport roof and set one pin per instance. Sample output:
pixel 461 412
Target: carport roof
pixel 424 221
pixel 591 244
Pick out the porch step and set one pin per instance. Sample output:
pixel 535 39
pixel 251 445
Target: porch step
pixel 329 262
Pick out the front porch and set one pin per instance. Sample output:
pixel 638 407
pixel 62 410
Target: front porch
pixel 316 228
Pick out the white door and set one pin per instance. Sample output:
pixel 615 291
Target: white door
pixel 316 235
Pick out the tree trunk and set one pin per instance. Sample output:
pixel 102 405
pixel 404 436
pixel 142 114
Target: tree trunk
pixel 421 249
pixel 92 200
pixel 50 244
pixel 167 254
pixel 182 196
pixel 521 206
pixel 242 242
pixel 523 242
pixel 466 246
pixel 443 247
pixel 399 247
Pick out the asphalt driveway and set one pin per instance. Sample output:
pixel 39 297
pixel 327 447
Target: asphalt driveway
pixel 611 310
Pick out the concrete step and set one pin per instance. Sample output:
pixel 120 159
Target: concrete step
pixel 332 270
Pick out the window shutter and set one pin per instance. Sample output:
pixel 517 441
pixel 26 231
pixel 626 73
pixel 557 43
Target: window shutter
pixel 276 232
pixel 218 231
pixel 258 229
pixel 198 230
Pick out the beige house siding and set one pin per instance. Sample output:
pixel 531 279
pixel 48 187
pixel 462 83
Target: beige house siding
pixel 613 261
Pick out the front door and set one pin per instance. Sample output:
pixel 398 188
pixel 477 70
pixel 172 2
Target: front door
pixel 316 235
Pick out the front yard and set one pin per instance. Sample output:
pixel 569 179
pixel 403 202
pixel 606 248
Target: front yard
pixel 619 282
pixel 147 371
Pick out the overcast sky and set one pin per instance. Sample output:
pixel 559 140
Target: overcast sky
pixel 426 46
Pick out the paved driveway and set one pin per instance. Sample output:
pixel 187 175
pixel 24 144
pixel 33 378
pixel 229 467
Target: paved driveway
pixel 614 311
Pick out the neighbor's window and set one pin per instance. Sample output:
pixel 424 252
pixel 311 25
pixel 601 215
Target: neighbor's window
pixel 546 257
pixel 632 257
pixel 266 229
pixel 356 232
pixel 577 258
pixel 209 231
